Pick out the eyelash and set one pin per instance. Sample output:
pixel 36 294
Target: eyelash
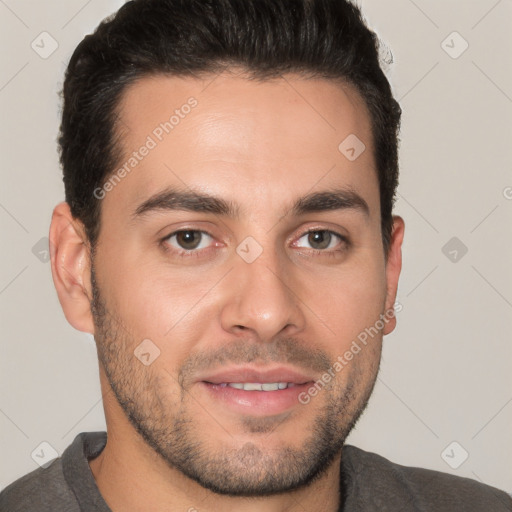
pixel 195 253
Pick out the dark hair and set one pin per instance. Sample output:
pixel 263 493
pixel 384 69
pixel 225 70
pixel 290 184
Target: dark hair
pixel 319 38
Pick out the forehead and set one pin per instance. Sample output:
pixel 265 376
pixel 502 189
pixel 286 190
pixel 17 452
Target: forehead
pixel 227 133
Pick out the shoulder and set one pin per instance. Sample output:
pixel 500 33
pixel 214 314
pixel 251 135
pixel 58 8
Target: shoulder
pixel 379 484
pixel 40 490
pixel 66 484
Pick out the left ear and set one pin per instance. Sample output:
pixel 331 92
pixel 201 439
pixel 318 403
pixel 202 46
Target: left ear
pixel 393 268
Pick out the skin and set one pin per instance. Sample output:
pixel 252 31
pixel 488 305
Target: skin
pixel 261 145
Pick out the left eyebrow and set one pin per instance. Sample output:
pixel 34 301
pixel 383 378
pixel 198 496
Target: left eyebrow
pixel 337 199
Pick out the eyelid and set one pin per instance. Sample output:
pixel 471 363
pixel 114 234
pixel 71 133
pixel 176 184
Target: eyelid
pixel 343 238
pixel 165 241
pixel 203 232
pixel 198 252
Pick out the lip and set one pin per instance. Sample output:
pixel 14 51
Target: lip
pixel 254 374
pixel 255 403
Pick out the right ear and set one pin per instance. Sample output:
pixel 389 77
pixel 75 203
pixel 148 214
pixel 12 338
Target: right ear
pixel 71 268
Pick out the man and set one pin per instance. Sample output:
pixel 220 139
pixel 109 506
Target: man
pixel 230 168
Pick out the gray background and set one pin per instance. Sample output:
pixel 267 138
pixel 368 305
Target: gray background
pixel 446 370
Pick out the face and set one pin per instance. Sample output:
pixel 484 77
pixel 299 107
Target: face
pixel 239 258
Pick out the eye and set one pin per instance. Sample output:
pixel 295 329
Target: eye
pixel 189 240
pixel 322 239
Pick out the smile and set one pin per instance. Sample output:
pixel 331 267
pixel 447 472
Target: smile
pixel 257 386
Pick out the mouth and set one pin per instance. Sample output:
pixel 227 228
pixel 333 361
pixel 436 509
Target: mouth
pixel 256 392
pixel 254 377
pixel 257 386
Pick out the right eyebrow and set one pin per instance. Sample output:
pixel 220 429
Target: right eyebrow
pixel 173 199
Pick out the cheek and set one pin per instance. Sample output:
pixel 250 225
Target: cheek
pixel 173 306
pixel 164 305
pixel 350 301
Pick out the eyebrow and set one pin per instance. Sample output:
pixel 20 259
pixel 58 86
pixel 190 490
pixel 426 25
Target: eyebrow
pixel 337 199
pixel 174 199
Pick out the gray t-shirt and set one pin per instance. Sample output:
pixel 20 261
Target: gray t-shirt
pixel 369 483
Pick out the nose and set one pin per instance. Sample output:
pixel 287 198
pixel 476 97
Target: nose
pixel 262 297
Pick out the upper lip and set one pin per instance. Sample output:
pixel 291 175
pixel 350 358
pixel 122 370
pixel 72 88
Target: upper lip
pixel 252 374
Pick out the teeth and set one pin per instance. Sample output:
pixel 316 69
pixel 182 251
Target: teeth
pixel 252 386
pixel 257 386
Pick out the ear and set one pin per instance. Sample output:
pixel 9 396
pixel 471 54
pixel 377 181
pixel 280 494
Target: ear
pixel 71 267
pixel 393 268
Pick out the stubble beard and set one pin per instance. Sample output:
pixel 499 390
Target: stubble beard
pixel 170 429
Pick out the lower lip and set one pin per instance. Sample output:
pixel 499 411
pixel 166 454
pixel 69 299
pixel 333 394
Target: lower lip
pixel 257 403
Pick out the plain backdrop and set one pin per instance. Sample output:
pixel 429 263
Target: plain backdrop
pixel 443 399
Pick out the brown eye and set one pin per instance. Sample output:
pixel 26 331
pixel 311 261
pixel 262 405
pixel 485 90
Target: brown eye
pixel 189 239
pixel 319 239
pixel 322 239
